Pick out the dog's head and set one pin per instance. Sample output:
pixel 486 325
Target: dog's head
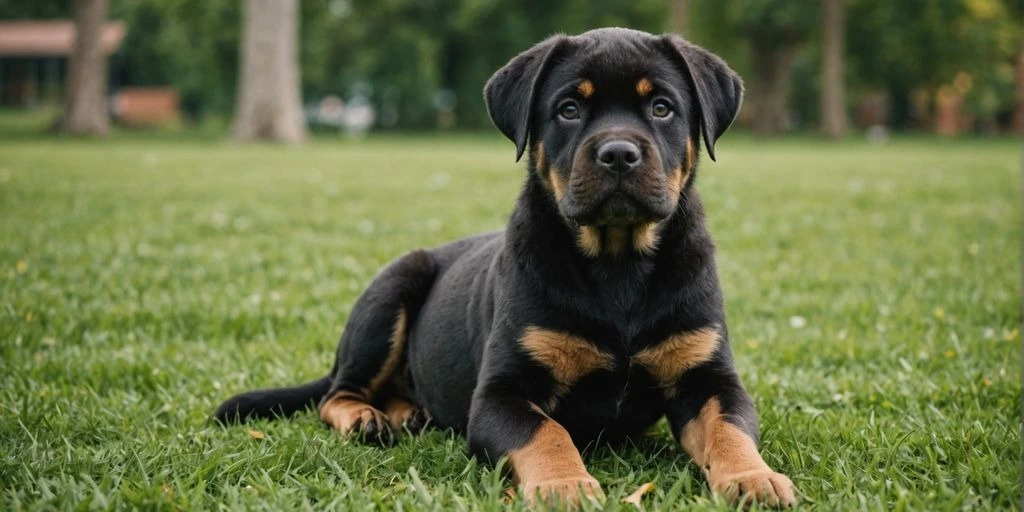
pixel 612 118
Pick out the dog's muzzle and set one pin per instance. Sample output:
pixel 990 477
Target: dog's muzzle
pixel 615 181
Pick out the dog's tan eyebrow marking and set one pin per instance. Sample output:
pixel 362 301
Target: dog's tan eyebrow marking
pixel 644 87
pixel 585 88
pixel 670 359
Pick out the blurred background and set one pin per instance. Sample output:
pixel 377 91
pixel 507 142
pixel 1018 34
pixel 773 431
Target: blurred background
pixel 280 69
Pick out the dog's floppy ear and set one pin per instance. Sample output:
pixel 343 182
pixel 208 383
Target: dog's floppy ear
pixel 718 88
pixel 509 93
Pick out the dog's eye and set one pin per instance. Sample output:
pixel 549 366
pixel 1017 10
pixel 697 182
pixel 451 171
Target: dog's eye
pixel 661 108
pixel 569 110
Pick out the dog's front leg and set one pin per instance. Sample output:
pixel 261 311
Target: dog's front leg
pixel 542 456
pixel 718 428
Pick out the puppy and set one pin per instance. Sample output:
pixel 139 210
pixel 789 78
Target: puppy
pixel 594 313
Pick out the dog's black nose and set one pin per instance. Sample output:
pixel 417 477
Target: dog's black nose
pixel 620 156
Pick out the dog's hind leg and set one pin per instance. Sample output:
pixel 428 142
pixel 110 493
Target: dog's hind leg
pixel 404 415
pixel 373 348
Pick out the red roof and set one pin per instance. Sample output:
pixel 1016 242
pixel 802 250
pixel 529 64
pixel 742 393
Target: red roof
pixel 51 38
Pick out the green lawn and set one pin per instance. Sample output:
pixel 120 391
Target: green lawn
pixel 873 296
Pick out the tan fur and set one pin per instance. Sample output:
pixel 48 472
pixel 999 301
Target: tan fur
pixel 399 411
pixel 558 184
pixel 645 238
pixel 586 88
pixel 567 357
pixel 345 408
pixel 550 467
pixel 730 460
pixel 589 241
pixel 540 164
pixel 668 360
pixel 676 181
pixel 644 87
pixel 642 238
pixel 398 335
pixel 616 239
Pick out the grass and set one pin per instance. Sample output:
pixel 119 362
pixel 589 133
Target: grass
pixel 873 295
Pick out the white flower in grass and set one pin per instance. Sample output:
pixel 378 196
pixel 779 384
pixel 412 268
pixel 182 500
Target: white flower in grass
pixel 797 322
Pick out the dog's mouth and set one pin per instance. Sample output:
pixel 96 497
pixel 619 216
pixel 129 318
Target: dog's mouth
pixel 620 210
pixel 616 209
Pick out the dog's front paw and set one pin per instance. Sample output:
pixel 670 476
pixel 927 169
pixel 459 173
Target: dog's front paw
pixel 765 487
pixel 565 491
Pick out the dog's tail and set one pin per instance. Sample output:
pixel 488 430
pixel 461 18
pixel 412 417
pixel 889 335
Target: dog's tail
pixel 272 403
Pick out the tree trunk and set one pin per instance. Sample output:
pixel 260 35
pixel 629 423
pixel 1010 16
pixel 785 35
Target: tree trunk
pixel 680 16
pixel 769 86
pixel 1018 118
pixel 833 93
pixel 269 103
pixel 85 106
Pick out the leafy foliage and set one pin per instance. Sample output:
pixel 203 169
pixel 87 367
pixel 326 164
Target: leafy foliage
pixel 405 54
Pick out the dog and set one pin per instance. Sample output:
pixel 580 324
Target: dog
pixel 597 310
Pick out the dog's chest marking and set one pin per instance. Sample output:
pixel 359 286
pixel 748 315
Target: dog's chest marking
pixel 569 358
pixel 668 360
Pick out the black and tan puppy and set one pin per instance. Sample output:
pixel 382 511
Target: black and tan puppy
pixel 595 313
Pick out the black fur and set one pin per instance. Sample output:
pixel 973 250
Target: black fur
pixel 719 90
pixel 468 302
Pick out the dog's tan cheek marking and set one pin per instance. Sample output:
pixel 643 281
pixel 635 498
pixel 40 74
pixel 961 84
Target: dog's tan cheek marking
pixel 550 459
pixel 586 88
pixel 645 238
pixel 668 360
pixel 538 156
pixel 567 357
pixel 398 335
pixel 644 87
pixel 558 184
pixel 676 180
pixel 540 165
pixel 589 241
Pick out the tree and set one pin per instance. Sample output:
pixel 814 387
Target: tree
pixel 833 90
pixel 85 106
pixel 916 49
pixel 762 39
pixel 777 32
pixel 269 102
pixel 1018 114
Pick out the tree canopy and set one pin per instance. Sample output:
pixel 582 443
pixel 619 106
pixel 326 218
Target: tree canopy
pixel 407 57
